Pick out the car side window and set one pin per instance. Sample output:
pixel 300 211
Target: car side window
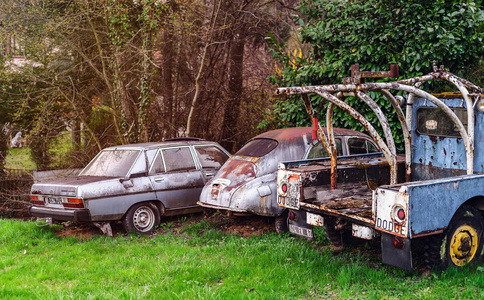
pixel 178 159
pixel 360 146
pixel 319 151
pixel 157 166
pixel 211 156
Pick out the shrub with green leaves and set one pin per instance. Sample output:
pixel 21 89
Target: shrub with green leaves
pixel 375 34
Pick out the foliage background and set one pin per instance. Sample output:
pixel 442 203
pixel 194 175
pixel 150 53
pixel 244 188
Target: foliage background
pixel 118 72
pixel 375 34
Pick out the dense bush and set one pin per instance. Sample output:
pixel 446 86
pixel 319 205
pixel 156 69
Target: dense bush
pixel 375 34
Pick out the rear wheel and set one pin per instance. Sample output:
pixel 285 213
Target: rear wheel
pixel 281 222
pixel 337 232
pixel 460 244
pixel 141 218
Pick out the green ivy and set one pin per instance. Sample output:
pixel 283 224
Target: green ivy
pixel 375 34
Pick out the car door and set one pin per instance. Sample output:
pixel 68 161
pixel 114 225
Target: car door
pixel 176 179
pixel 211 159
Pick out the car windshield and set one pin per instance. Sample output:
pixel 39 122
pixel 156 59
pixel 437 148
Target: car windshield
pixel 258 147
pixel 111 163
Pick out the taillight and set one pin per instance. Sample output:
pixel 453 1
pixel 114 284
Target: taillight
pixel 284 188
pixel 291 215
pixel 73 203
pixel 398 214
pixel 398 242
pixel 35 200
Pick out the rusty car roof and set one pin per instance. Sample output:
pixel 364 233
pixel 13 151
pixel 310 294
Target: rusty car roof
pixel 293 133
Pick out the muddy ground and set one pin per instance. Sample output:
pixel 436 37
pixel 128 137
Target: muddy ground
pixel 244 226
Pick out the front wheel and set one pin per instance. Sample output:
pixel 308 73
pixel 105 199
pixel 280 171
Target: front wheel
pixel 460 244
pixel 141 218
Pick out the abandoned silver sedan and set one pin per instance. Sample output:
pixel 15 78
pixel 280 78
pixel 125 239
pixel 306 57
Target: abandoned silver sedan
pixel 246 184
pixel 136 183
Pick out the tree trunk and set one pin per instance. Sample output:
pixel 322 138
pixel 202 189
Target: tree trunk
pixel 167 80
pixel 232 107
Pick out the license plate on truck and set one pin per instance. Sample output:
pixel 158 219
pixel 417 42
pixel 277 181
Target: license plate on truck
pixel 301 231
pixel 288 202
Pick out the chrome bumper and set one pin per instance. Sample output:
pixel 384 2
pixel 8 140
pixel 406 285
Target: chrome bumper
pixel 76 215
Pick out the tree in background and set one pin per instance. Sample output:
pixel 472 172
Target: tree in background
pixel 117 72
pixel 375 34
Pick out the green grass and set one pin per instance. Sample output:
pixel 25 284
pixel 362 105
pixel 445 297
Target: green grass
pixel 19 158
pixel 205 263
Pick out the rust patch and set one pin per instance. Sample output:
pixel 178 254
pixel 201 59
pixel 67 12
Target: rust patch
pixel 433 139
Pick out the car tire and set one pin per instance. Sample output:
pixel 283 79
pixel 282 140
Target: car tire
pixel 338 237
pixel 281 222
pixel 460 244
pixel 142 218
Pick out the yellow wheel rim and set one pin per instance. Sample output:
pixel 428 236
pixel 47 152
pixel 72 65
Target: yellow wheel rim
pixel 463 245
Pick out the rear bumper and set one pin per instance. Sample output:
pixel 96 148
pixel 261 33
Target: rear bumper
pixel 235 212
pixel 76 215
pixel 221 207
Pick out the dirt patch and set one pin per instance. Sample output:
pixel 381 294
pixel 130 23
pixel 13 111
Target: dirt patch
pixel 244 226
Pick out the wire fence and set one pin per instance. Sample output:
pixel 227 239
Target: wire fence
pixel 14 192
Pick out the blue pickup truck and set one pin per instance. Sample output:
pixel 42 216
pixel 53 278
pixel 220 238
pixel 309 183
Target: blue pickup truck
pixel 427 202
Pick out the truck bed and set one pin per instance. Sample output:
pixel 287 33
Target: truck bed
pixel 357 178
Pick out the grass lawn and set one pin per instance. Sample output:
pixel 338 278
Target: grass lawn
pixel 200 261
pixel 19 158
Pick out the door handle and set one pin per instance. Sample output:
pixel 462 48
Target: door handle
pixel 159 179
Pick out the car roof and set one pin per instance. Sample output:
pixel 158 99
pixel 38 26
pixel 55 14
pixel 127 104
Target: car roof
pixel 171 143
pixel 295 133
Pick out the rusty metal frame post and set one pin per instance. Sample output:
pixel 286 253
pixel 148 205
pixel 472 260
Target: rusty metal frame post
pixel 371 130
pixel 386 129
pixel 467 134
pixel 470 119
pixel 333 153
pixel 328 141
pixel 406 133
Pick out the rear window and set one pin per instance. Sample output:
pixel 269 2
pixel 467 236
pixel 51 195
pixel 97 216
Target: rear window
pixel 113 163
pixel 319 151
pixel 258 147
pixel 360 146
pixel 211 156
pixel 434 121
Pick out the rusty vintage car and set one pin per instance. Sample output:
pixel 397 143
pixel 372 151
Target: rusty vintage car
pixel 246 184
pixel 136 183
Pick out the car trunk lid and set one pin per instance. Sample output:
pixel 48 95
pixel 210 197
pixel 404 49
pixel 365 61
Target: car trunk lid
pixel 236 172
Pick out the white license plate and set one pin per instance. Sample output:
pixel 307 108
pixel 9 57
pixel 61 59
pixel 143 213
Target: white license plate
pixel 304 232
pixel 54 200
pixel 289 202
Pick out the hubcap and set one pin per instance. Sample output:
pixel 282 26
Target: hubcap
pixel 463 245
pixel 143 219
